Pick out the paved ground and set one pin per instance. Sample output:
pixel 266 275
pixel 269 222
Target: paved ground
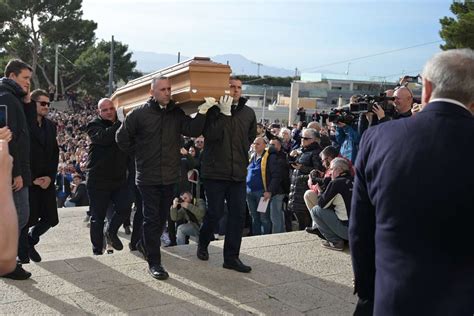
pixel 292 275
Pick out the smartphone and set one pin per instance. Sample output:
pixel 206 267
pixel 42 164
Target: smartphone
pixel 3 116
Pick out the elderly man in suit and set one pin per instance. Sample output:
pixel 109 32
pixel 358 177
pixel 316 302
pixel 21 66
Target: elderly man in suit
pixel 410 228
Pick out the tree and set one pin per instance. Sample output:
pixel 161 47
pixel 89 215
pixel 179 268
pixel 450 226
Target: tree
pixel 30 30
pixel 93 64
pixel 459 32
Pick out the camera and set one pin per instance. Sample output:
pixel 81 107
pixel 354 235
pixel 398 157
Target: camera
pixel 366 103
pixel 342 115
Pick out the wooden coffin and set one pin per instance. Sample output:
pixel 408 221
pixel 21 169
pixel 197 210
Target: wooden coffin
pixel 191 81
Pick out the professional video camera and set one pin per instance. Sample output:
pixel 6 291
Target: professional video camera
pixel 365 103
pixel 342 115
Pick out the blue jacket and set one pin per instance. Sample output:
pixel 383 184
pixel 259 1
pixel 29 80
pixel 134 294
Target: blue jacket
pixel 348 139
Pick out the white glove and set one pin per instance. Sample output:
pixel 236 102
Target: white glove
pixel 225 104
pixel 210 102
pixel 120 114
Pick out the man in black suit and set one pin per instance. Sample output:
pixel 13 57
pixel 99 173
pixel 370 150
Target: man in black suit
pixel 410 228
pixel 44 164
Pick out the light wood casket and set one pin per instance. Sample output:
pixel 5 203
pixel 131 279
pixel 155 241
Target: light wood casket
pixel 191 81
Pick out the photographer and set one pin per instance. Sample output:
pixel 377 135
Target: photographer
pixel 403 102
pixel 348 140
pixel 184 209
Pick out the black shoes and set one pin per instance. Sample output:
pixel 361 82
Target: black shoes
pixel 33 254
pixel 127 229
pixel 315 231
pixel 202 253
pixel 132 247
pixel 236 265
pixel 158 272
pixel 112 239
pixel 18 274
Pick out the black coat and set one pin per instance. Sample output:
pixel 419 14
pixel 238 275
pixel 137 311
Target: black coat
pixel 228 138
pixel 153 136
pixel 44 162
pixel 410 229
pixel 309 160
pixel 11 95
pixel 283 165
pixel 107 164
pixel 80 197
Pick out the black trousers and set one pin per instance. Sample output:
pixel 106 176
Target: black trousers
pixel 157 200
pixel 137 218
pixel 99 202
pixel 234 193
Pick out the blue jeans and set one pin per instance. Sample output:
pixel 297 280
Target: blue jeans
pixel 218 191
pixel 329 224
pixel 99 201
pixel 157 200
pixel 276 214
pixel 187 229
pixel 22 205
pixel 261 223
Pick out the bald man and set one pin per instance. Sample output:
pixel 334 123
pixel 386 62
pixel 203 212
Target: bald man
pixel 403 103
pixel 106 180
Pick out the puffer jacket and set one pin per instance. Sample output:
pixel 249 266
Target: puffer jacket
pixel 309 160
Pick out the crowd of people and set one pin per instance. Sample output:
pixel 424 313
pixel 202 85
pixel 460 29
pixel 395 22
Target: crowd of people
pixel 372 188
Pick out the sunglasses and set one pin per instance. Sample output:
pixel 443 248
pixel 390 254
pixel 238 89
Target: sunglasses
pixel 43 103
pixel 306 138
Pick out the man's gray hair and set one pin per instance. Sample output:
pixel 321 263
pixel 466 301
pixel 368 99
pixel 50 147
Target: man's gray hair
pixel 156 79
pixel 452 74
pixel 341 163
pixel 312 132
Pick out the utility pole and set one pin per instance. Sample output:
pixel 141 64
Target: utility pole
pixel 56 73
pixel 179 57
pixel 111 67
pixel 296 72
pixel 264 101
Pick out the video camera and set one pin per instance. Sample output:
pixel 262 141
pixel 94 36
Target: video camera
pixel 342 115
pixel 366 102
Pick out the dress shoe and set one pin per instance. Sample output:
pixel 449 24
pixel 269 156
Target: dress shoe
pixel 202 253
pixel 127 229
pixel 237 265
pixel 18 274
pixel 158 272
pixel 113 240
pixel 33 254
pixel 315 231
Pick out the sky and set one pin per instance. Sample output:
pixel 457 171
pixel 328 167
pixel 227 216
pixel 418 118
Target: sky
pixel 313 36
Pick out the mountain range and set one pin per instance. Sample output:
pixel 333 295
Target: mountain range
pixel 149 62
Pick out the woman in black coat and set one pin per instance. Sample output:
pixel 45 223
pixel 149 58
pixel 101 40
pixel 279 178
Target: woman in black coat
pixel 308 160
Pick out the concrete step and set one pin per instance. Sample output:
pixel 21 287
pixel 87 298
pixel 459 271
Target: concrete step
pixel 291 274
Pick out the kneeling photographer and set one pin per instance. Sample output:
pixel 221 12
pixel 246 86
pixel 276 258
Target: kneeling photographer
pixel 184 209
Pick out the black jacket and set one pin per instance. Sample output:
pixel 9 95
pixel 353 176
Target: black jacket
pixel 80 197
pixel 11 95
pixel 44 162
pixel 283 165
pixel 309 160
pixel 153 136
pixel 106 163
pixel 338 195
pixel 228 139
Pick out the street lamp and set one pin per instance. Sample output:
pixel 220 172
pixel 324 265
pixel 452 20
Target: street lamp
pixel 264 100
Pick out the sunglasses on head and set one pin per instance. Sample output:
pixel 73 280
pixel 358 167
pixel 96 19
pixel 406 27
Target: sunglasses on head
pixel 43 103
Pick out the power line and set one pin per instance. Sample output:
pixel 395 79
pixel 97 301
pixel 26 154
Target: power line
pixel 372 55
